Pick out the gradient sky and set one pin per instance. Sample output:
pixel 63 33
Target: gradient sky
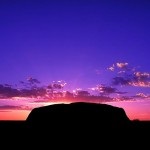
pixel 85 43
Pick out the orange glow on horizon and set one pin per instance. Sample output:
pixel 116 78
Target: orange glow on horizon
pixel 14 114
pixel 134 110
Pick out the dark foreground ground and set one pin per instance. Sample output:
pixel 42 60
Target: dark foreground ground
pixel 68 123
pixel 18 132
pixel 15 126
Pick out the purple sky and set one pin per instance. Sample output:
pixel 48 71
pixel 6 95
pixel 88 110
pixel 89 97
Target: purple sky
pixel 85 43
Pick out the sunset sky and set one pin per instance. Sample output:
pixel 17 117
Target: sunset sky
pixel 85 44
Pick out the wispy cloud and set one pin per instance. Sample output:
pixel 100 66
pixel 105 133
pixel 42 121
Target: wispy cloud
pixel 122 65
pixel 140 79
pixel 55 92
pixel 8 91
pixel 5 111
pixel 111 68
pixel 120 81
pixel 123 98
pixel 142 96
pixel 31 89
pixel 106 90
pixel 126 75
pixel 118 65
pixel 11 107
pixel 121 72
pixel 137 79
pixel 33 80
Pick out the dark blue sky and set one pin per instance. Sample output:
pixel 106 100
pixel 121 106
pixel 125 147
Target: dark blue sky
pixel 72 41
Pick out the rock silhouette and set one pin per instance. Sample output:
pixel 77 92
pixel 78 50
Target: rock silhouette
pixel 79 115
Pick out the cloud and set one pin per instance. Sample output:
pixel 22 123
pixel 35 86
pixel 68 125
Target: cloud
pixel 122 65
pixel 106 90
pixel 142 95
pixel 118 65
pixel 31 90
pixel 33 81
pixel 139 84
pixel 11 107
pixel 131 77
pixel 41 101
pixel 118 92
pixel 8 91
pixel 130 82
pixel 41 91
pixel 121 72
pixel 5 111
pixel 120 81
pixel 140 79
pixel 124 98
pixel 92 98
pixel 111 68
pixel 58 84
pixel 82 93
